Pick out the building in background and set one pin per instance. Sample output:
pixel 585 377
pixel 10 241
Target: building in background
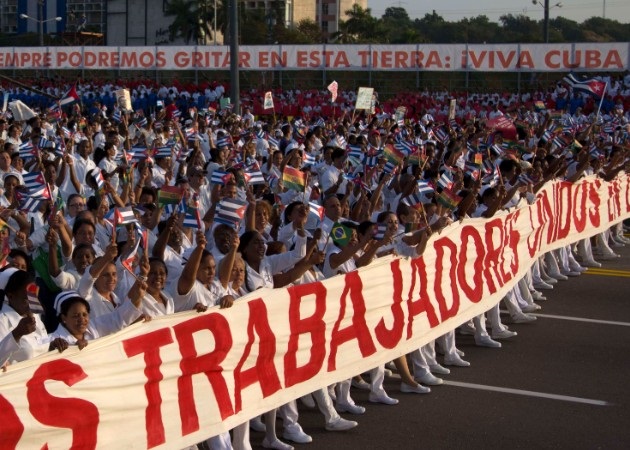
pixel 142 22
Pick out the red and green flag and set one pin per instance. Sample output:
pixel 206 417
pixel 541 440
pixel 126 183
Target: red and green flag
pixel 169 195
pixel 294 179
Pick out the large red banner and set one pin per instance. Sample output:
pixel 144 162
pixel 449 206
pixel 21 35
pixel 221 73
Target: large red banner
pixel 593 57
pixel 180 379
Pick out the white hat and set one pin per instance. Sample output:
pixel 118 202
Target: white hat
pixel 62 297
pixel 5 275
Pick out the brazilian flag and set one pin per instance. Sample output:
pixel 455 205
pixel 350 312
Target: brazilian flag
pixel 341 234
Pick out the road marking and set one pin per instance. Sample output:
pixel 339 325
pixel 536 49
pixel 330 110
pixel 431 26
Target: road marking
pixel 577 319
pixel 608 272
pixel 583 319
pixel 564 398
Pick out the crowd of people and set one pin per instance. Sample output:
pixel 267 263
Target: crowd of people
pixel 109 216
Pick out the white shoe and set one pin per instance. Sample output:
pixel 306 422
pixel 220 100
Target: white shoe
pixel 591 263
pixel 466 329
pixel 543 285
pixel 523 318
pixel 348 408
pixel 298 436
pixel 503 334
pixel 331 393
pixel 419 389
pixel 578 268
pixel 440 370
pixel 340 424
pixel 559 276
pixel 533 307
pixel 609 256
pixel 455 361
pixel 538 296
pixel 429 379
pixel 460 353
pixel 487 341
pixel 550 280
pixel 276 444
pixel 361 384
pixel 572 273
pixel 382 398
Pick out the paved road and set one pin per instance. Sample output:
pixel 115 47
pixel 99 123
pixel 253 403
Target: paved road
pixel 585 362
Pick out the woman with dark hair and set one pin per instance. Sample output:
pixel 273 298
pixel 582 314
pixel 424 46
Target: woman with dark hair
pixel 260 269
pixel 259 273
pixel 76 327
pixel 22 333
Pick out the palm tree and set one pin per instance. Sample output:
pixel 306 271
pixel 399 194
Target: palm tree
pixel 191 20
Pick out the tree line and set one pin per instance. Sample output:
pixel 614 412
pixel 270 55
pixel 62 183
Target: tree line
pixel 193 21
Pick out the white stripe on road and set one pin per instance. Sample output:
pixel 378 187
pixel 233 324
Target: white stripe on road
pixel 564 398
pixel 577 319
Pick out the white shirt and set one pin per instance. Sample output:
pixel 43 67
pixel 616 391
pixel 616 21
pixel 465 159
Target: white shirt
pixel 28 347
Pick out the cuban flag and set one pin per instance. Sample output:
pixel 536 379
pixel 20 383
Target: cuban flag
pixel 70 97
pixel 445 181
pixel 27 150
pixel 142 122
pixel 224 141
pixel 316 209
pixel 379 232
pixel 27 203
pixel 588 85
pixel 424 188
pixel 413 200
pixel 309 160
pixel 253 176
pixel 34 181
pixel 163 152
pixel 230 211
pixel 219 177
pixel 273 142
pixel 124 216
pixel 341 142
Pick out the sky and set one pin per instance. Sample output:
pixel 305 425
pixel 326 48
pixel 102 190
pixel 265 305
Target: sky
pixel 454 10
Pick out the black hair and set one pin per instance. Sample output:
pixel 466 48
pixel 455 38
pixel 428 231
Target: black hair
pixel 21 253
pixel 159 260
pixel 82 247
pixel 245 240
pixel 289 210
pixel 67 304
pixel 16 281
pixel 364 227
pixel 79 222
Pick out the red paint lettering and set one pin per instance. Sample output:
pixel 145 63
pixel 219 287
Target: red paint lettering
pixel 149 344
pixel 423 304
pixel 358 330
pixel 78 415
pixel 390 338
pixel 313 326
pixel 474 292
pixel 208 364
pixel 440 245
pixel 264 372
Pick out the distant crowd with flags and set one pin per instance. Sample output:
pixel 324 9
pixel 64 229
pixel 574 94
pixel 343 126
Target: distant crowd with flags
pixel 188 204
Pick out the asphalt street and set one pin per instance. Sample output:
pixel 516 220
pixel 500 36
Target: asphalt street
pixel 562 383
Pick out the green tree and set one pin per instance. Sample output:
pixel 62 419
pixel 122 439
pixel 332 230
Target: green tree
pixel 520 28
pixel 397 27
pixel 360 27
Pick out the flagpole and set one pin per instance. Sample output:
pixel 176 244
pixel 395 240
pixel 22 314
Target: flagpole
pixel 601 100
